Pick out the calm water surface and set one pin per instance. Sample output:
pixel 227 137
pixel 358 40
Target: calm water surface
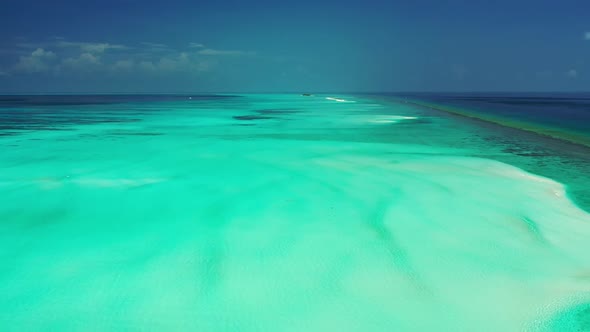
pixel 285 212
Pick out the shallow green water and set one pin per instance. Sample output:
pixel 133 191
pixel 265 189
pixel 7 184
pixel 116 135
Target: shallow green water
pixel 290 213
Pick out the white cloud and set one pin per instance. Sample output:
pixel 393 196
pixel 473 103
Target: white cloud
pixel 154 45
pixel 91 47
pixel 83 46
pixel 587 35
pixel 86 61
pixel 181 62
pixel 572 73
pixel 43 53
pixel 38 61
pixel 209 51
pixel 146 57
pixel 213 52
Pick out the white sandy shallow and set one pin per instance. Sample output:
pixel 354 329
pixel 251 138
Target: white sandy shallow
pixel 211 233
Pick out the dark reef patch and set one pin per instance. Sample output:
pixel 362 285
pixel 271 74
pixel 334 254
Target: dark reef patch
pixel 411 122
pixel 252 117
pixel 46 120
pixel 87 100
pixel 122 120
pixel 523 152
pixel 278 111
pixel 135 133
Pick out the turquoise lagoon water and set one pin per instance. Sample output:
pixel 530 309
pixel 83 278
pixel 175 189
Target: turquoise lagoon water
pixel 285 213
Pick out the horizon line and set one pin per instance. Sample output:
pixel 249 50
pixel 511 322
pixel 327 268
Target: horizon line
pixel 91 93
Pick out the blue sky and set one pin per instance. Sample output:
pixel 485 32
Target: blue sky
pixel 128 46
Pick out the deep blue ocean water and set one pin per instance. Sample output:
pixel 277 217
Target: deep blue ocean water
pixel 562 112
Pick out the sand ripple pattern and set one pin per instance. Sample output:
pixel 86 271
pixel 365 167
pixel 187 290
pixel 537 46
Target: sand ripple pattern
pixel 307 220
